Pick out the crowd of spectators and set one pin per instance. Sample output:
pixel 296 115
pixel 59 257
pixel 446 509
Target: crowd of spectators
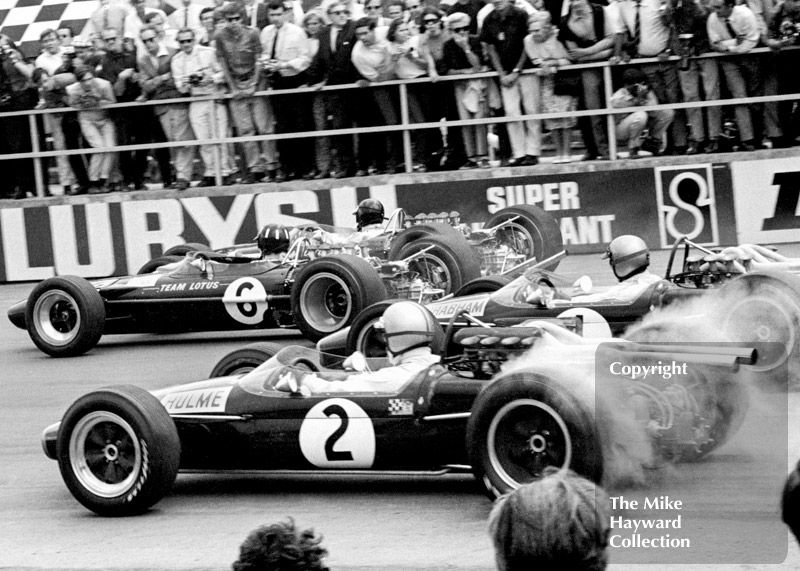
pixel 134 52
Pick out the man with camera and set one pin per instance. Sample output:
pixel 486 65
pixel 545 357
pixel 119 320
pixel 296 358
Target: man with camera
pixel 197 72
pixel 638 93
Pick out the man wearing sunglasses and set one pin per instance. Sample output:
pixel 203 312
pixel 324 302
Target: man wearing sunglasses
pixel 332 65
pixel 239 51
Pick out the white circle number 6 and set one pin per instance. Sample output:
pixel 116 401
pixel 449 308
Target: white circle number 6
pixel 337 433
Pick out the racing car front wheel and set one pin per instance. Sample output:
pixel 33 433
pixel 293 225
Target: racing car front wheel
pixel 523 423
pixel 118 450
pixel 330 291
pixel 244 360
pixel 484 284
pixel 534 233
pixel 65 316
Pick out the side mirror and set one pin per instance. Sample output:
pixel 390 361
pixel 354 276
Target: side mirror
pixel 356 362
pixel 583 284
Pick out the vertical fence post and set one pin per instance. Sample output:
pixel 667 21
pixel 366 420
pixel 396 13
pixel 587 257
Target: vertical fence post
pixel 610 119
pixel 37 161
pixel 407 158
pixel 218 147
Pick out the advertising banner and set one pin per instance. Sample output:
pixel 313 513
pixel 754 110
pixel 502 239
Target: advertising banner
pixel 767 196
pixel 117 234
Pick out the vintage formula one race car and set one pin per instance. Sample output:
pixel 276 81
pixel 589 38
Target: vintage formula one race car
pixel 755 293
pixel 120 448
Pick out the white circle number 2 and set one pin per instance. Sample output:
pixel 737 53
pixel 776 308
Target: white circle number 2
pixel 245 301
pixel 337 433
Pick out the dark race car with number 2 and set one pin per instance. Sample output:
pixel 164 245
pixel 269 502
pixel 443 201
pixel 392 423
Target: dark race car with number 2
pixel 120 448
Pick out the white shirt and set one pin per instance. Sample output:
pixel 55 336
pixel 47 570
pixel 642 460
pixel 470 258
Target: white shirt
pixel 293 47
pixel 50 62
pixel 653 32
pixel 203 60
pixel 387 380
pixel 744 23
pixel 373 62
pixel 179 20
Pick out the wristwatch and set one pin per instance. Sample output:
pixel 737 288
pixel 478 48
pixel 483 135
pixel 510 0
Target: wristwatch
pixel 516 70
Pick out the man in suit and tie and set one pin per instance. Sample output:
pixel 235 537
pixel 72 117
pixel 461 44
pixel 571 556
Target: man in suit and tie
pixel 187 16
pixel 333 66
pixel 256 14
pixel 287 56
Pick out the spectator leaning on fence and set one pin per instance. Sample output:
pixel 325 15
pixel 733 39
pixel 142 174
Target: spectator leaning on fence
pixel 91 95
pixel 196 72
pixel 561 521
pixel 637 92
pixel 155 79
pixel 313 24
pixel 239 51
pixel 503 32
pixel 697 75
pixel 333 65
pixel 286 58
pixel 733 30
pixel 559 89
pixel 463 55
pixel 588 31
pixel 784 32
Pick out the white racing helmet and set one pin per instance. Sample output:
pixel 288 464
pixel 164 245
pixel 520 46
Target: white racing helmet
pixel 628 256
pixel 407 325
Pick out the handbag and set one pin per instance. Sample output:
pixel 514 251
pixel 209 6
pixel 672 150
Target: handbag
pixel 567 83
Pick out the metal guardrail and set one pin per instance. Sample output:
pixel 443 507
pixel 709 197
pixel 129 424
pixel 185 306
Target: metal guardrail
pixel 405 127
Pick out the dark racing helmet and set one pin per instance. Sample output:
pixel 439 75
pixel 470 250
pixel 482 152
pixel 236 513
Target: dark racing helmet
pixel 273 239
pixel 369 211
pixel 628 256
pixel 407 325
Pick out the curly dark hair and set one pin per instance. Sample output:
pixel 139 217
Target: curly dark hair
pixel 281 547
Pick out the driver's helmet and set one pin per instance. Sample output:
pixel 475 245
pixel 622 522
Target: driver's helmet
pixel 273 239
pixel 407 325
pixel 628 256
pixel 369 211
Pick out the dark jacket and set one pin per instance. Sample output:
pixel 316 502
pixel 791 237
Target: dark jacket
pixel 335 68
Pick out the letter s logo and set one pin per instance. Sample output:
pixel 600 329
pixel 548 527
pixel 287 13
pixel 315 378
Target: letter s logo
pixel 688 207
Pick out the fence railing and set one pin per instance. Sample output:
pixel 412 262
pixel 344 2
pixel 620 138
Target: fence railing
pixel 404 126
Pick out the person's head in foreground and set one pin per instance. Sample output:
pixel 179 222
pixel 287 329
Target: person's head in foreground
pixel 561 521
pixel 281 547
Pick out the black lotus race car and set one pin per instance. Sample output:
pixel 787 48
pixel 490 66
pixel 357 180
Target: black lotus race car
pixel 753 295
pixel 120 448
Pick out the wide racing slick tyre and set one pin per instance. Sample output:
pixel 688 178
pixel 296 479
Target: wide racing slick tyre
pixel 371 343
pixel 118 450
pixel 65 316
pixel 764 308
pixel 244 360
pixel 485 284
pixel 155 263
pixel 522 423
pixel 183 249
pixel 535 233
pixel 329 292
pixel 421 231
pixel 448 265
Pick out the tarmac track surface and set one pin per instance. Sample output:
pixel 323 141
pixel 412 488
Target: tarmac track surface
pixel 368 522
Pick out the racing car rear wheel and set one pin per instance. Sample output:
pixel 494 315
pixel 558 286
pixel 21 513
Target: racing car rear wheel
pixel 535 233
pixel 65 316
pixel 183 249
pixel 448 265
pixel 329 292
pixel 523 423
pixel 244 360
pixel 118 450
pixel 155 263
pixel 765 308
pixel 485 284
pixel 418 231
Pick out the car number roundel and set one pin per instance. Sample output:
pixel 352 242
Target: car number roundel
pixel 245 301
pixel 337 433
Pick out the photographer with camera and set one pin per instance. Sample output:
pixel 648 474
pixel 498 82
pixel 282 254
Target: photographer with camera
pixel 15 95
pixel 638 93
pixel 784 32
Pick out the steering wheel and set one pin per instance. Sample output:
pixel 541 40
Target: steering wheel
pixel 304 364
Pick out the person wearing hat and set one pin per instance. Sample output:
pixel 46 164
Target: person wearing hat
pixel 638 93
